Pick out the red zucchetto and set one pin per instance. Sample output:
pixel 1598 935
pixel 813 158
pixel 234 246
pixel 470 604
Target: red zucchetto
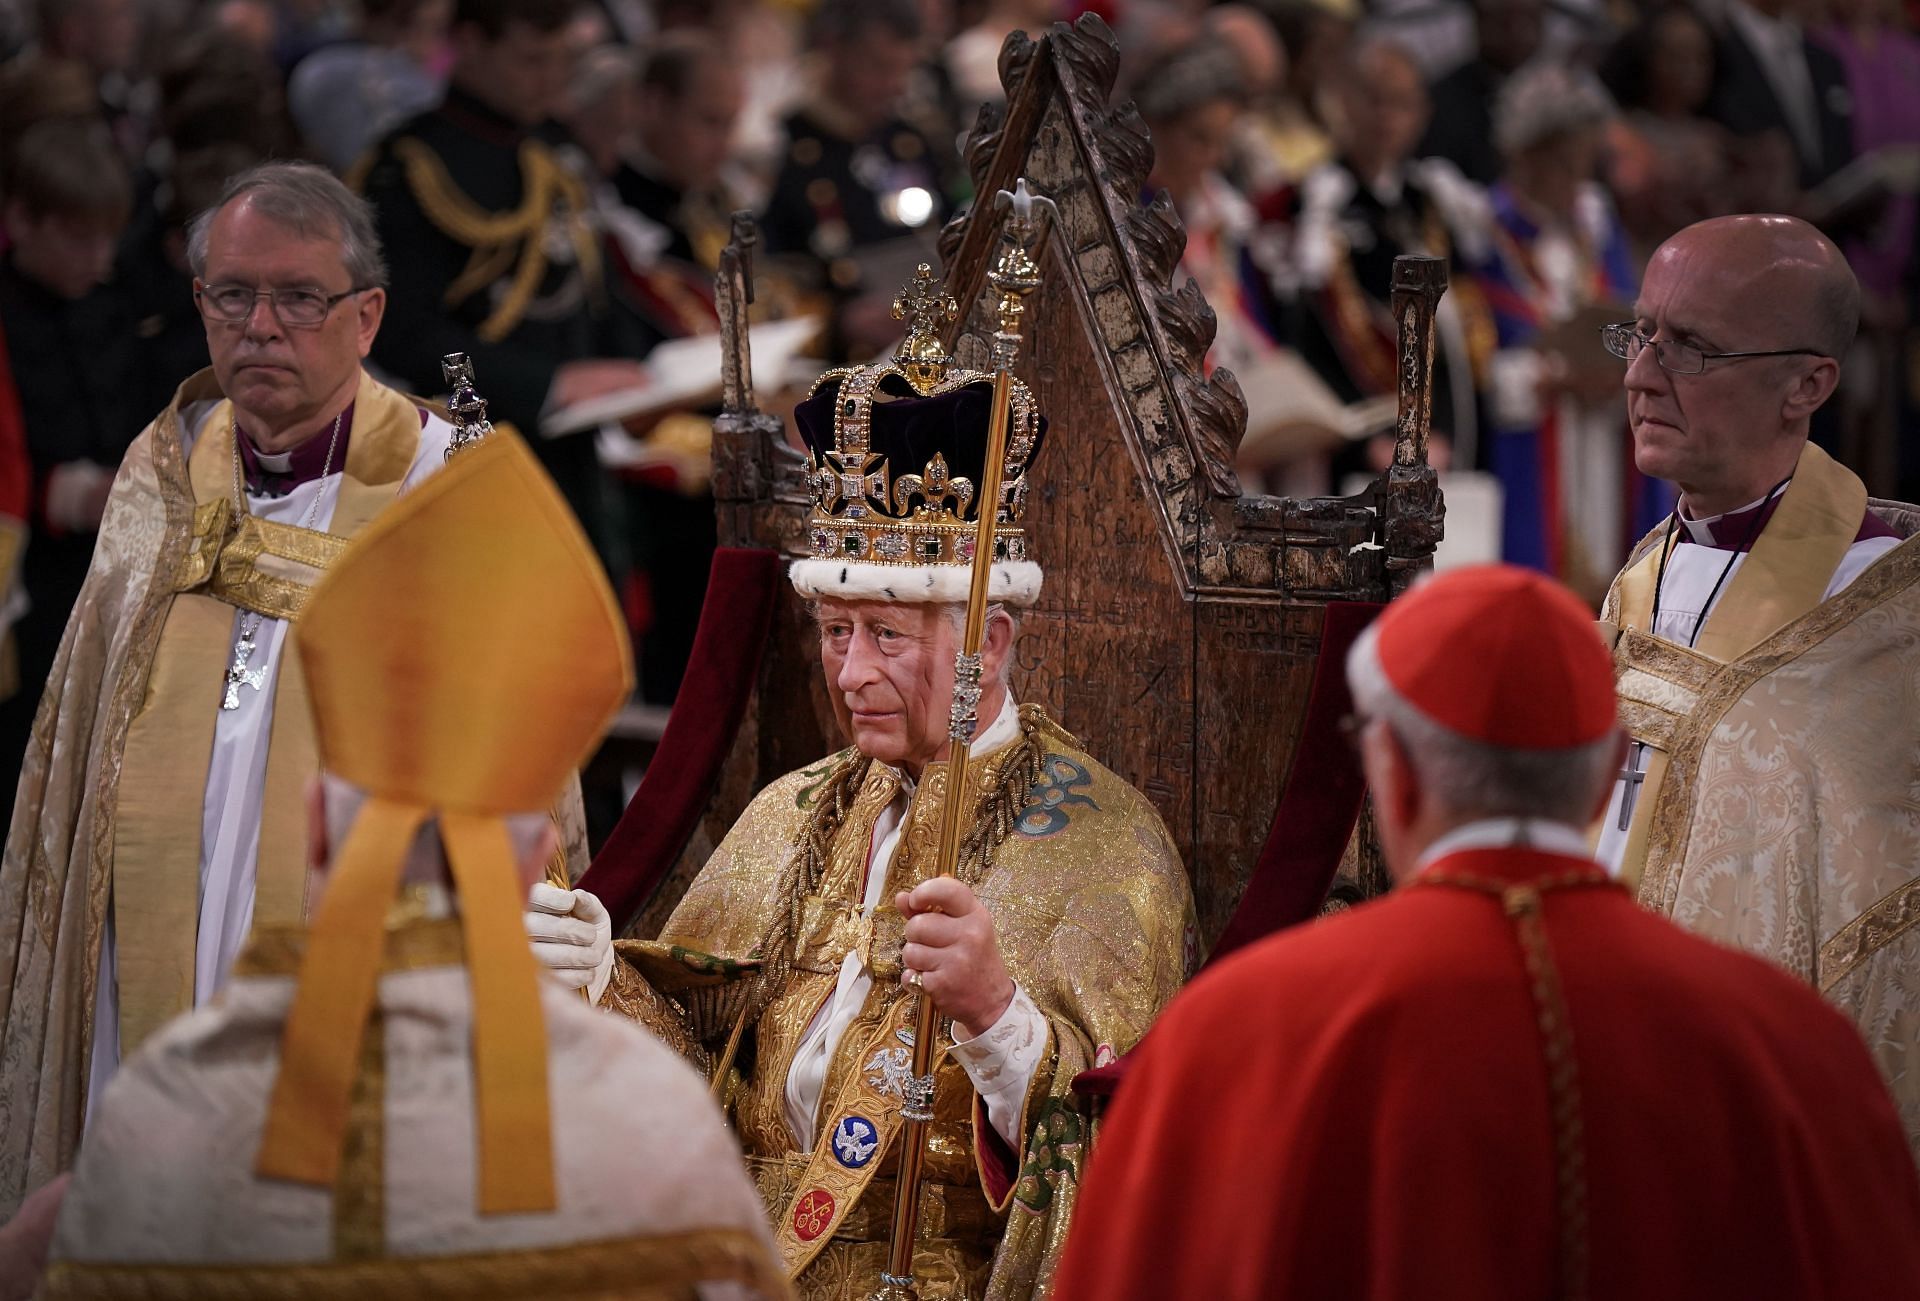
pixel 1502 655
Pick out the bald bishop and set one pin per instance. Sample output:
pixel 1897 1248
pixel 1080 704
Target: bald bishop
pixel 1766 639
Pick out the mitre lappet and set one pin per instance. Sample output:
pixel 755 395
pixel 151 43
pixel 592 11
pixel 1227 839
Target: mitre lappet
pixel 464 656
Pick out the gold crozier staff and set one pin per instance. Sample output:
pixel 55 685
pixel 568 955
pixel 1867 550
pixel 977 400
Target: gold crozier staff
pixel 1014 276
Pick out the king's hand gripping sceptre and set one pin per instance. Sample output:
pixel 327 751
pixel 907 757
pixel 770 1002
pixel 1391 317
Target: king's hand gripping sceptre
pixel 1015 275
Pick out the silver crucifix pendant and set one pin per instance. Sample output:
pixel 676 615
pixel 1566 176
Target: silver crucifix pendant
pixel 1632 776
pixel 240 674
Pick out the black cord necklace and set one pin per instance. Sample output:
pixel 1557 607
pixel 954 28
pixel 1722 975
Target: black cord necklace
pixel 1666 551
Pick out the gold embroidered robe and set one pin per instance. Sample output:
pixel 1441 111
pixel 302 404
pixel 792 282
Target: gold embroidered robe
pixel 1781 807
pixel 109 809
pixel 1094 917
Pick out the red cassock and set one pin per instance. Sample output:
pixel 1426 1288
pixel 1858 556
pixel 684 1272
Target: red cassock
pixel 16 474
pixel 1362 1108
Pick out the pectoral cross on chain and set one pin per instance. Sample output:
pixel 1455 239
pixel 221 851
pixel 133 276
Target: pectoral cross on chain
pixel 1630 774
pixel 240 674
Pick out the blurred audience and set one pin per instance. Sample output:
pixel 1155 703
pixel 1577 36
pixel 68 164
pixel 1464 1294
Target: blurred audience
pixel 71 351
pixel 1290 133
pixel 859 197
pixel 1558 266
pixel 1507 34
pixel 1374 202
pixel 103 38
pixel 676 174
pixel 555 181
pixel 1881 61
pixel 1770 79
pixel 972 57
pixel 1672 166
pixel 494 253
pixel 345 97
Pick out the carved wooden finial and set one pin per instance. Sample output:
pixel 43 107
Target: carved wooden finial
pixel 1418 283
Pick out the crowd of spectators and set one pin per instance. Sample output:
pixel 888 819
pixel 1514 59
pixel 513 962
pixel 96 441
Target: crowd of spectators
pixel 1542 148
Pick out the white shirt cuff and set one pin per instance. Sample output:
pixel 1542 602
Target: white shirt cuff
pixel 1001 1062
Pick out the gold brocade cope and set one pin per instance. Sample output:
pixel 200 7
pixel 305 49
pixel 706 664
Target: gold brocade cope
pixel 1779 814
pixel 1784 576
pixel 267 568
pixel 1093 916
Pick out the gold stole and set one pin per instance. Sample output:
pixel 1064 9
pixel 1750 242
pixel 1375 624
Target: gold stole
pixel 864 1089
pixel 251 564
pixel 1784 576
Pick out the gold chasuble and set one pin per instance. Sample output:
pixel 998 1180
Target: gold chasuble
pixel 1781 807
pixel 109 811
pixel 1094 918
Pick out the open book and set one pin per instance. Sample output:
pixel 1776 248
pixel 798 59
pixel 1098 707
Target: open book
pixel 683 373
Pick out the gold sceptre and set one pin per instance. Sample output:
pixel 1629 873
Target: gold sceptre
pixel 1013 277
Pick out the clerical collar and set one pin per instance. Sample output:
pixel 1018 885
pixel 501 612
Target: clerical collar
pixel 275 474
pixel 1729 532
pixel 1508 833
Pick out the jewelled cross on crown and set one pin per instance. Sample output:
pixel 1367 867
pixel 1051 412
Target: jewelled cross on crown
pixel 925 306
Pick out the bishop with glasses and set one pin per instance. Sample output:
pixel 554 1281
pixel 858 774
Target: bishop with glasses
pixel 161 812
pixel 1766 638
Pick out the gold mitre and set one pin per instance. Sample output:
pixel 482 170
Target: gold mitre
pixel 897 450
pixel 463 657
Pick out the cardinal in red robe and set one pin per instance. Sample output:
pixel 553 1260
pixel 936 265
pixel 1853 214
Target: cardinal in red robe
pixel 1504 1080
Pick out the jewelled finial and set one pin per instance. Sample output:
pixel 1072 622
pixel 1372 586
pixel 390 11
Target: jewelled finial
pixel 925 306
pixel 468 408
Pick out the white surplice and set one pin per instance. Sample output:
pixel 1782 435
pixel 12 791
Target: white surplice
pixel 237 769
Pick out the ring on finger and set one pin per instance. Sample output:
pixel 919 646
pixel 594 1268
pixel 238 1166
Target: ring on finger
pixel 915 979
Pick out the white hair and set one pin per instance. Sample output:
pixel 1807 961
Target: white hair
pixel 427 859
pixel 956 617
pixel 1544 102
pixel 1471 778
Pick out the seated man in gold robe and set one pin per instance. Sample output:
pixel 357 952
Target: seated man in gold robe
pixel 786 971
pixel 397 1102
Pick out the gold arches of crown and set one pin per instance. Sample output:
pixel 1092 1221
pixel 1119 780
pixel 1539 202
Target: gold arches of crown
pixel 862 511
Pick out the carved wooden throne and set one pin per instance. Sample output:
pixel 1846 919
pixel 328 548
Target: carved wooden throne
pixel 1180 628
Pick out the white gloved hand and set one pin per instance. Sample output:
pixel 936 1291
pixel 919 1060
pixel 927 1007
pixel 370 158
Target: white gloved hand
pixel 572 937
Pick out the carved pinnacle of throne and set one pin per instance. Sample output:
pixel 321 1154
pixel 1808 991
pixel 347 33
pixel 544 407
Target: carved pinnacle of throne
pixel 925 306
